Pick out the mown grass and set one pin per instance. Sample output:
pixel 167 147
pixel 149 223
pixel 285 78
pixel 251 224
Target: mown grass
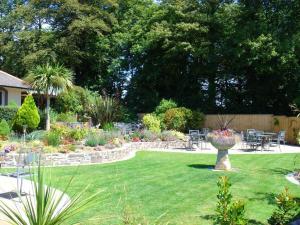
pixel 180 186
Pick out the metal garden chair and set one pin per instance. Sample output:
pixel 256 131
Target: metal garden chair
pixel 194 138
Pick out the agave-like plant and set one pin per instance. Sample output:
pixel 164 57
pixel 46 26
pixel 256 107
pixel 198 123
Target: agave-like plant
pixel 46 205
pixel 104 109
pixel 223 122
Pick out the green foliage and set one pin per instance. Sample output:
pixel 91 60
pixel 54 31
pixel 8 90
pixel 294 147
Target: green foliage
pixel 152 123
pixel 164 106
pixel 178 119
pixel 50 200
pixel 196 121
pixel 74 100
pixel 197 53
pixel 4 128
pixel 147 135
pixel 93 139
pixel 103 110
pixel 108 127
pixel 287 209
pixel 77 134
pixel 171 135
pixel 53 138
pixel 228 212
pixel 27 115
pixel 126 115
pixel 67 117
pixel 36 135
pixel 8 113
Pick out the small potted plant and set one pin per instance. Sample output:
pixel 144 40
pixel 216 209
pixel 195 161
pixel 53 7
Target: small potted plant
pixel 223 139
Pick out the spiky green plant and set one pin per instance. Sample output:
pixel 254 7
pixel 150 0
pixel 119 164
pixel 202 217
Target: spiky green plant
pixel 49 80
pixel 48 206
pixel 104 110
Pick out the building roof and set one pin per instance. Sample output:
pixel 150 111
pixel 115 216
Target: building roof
pixel 7 80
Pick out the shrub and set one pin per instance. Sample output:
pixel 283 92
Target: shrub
pixel 77 134
pixel 36 135
pixel 196 121
pixel 125 115
pixel 8 113
pixel 109 127
pixel 27 115
pixel 103 110
pixel 52 138
pixel 152 123
pixel 91 140
pixel 167 135
pixel 4 128
pixel 287 209
pixel 67 117
pixel 228 213
pixel 164 106
pixel 70 101
pixel 147 135
pixel 177 118
pixel 178 135
pixel 62 130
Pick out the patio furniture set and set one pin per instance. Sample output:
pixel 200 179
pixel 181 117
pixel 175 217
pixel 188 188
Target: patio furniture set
pixel 254 139
pixel 251 139
pixel 198 138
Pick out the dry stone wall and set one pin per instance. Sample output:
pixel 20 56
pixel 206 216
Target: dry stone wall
pixel 89 156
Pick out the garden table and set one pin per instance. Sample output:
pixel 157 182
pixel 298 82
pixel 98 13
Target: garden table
pixel 265 138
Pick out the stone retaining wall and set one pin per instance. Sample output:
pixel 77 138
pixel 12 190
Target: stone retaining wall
pixel 86 156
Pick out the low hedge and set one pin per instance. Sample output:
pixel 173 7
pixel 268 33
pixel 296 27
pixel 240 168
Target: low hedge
pixel 8 113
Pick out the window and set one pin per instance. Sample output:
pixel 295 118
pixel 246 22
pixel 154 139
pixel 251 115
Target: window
pixel 1 98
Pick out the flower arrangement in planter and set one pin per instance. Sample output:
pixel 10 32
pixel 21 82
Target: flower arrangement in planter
pixel 223 139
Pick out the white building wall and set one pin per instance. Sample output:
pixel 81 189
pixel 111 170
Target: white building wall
pixel 14 94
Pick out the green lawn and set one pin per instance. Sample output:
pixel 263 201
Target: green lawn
pixel 179 185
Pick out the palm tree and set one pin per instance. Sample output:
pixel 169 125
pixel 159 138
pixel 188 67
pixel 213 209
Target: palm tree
pixel 49 80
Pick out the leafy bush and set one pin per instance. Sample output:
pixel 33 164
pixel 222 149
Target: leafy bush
pixel 36 135
pixel 177 118
pixel 61 129
pixel 77 134
pixel 179 135
pixel 52 138
pixel 125 115
pixel 164 106
pixel 4 128
pixel 147 135
pixel 8 113
pixel 27 115
pixel 93 139
pixel 287 209
pixel 196 121
pixel 168 135
pixel 228 213
pixel 103 110
pixel 109 127
pixel 152 123
pixel 67 117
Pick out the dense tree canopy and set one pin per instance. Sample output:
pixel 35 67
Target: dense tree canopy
pixel 214 55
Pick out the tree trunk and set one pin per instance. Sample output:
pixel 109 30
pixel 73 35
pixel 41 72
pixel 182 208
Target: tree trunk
pixel 48 112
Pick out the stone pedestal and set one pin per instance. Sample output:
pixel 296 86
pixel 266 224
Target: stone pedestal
pixel 223 162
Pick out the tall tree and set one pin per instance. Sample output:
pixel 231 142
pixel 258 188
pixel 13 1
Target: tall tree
pixel 49 80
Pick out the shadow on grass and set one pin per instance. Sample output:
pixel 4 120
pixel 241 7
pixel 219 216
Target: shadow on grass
pixel 211 218
pixel 254 222
pixel 201 166
pixel 281 171
pixel 270 197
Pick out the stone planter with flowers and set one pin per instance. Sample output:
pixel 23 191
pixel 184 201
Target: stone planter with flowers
pixel 223 139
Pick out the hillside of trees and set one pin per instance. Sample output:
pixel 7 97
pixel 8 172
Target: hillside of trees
pixel 218 56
